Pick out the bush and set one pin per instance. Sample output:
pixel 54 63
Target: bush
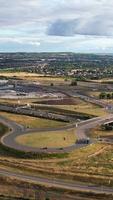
pixel 102 95
pixel 51 84
pixel 73 83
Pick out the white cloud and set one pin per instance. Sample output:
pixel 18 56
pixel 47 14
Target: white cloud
pixel 67 24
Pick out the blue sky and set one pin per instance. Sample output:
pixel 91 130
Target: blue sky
pixel 56 25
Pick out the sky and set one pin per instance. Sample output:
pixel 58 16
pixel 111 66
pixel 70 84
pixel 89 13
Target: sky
pixel 84 26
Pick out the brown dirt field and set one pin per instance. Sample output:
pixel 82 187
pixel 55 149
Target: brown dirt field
pixel 64 101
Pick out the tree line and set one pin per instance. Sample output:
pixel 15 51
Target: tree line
pixel 106 95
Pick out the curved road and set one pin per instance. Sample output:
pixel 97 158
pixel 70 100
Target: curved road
pixel 80 132
pixel 9 140
pixel 17 130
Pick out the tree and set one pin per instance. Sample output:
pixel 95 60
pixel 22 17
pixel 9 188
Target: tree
pixel 108 96
pixel 51 84
pixel 73 83
pixel 65 79
pixel 102 95
pixel 112 95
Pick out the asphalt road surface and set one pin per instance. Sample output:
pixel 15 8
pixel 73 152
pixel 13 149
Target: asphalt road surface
pixel 58 183
pixel 9 140
pixel 80 131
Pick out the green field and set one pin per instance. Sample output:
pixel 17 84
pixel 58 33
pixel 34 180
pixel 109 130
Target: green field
pixel 98 132
pixel 33 122
pixel 48 139
pixel 84 107
pixel 36 77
